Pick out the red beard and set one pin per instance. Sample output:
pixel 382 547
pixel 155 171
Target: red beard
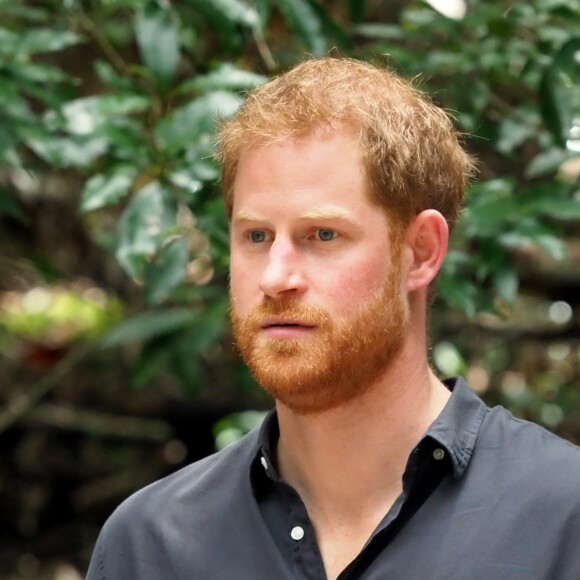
pixel 334 364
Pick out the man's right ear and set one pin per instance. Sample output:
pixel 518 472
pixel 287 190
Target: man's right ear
pixel 427 239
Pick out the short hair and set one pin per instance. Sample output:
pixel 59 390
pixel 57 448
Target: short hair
pixel 411 152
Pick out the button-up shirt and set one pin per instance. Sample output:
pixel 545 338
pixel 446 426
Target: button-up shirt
pixel 485 495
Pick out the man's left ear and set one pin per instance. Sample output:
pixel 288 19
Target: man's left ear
pixel 426 244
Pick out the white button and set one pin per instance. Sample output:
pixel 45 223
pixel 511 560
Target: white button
pixel 264 463
pixel 438 454
pixel 297 533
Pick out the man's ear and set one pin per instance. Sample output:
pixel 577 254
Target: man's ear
pixel 426 241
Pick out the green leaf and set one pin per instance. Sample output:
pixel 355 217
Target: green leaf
pixel 237 12
pixel 25 12
pixel 158 40
pixel 166 271
pixel 560 96
pixel 86 115
pixel 203 335
pixel 380 31
pixel 448 359
pixel 125 135
pixel 304 21
pixel 41 40
pixel 489 218
pixel 187 181
pixel 190 123
pixel 226 77
pixel 11 158
pixel 330 27
pixel 142 228
pixel 561 208
pixel 491 258
pixel 264 9
pixel 515 130
pixel 188 364
pixel 8 205
pixel 111 77
pixel 233 427
pixel 199 161
pixel 210 326
pixel 547 162
pixel 63 152
pixel 455 283
pixel 155 359
pixel 37 73
pixel 548 5
pixel 506 283
pixel 357 10
pixel 148 325
pixel 102 190
pixel 8 42
pixel 10 98
pixel 458 293
pixel 9 136
pixel 551 244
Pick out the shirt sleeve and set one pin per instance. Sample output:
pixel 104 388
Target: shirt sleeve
pixel 97 566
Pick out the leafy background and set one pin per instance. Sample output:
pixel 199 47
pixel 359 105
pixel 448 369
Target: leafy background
pixel 116 364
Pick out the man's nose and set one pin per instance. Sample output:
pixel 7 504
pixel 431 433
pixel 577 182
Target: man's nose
pixel 282 276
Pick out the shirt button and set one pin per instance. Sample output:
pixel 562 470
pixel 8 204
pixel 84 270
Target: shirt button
pixel 264 463
pixel 438 454
pixel 297 533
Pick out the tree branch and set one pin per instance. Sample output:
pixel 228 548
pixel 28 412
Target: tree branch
pixel 264 49
pixel 102 424
pixel 23 402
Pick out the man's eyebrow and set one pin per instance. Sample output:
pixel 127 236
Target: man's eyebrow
pixel 330 213
pixel 316 214
pixel 244 216
pixel 323 213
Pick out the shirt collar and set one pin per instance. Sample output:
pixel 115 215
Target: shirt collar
pixel 457 426
pixel 456 429
pixel 264 462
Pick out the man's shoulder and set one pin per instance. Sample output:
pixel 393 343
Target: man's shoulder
pixel 501 426
pixel 209 480
pixel 195 507
pixel 530 453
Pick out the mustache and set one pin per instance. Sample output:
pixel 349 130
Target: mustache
pixel 285 309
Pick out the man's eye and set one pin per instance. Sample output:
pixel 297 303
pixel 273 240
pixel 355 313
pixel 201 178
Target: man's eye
pixel 325 235
pixel 257 236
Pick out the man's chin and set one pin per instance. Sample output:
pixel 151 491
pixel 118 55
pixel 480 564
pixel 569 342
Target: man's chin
pixel 272 348
pixel 308 395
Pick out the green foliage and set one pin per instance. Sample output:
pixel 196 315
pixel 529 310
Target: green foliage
pixel 233 427
pixel 156 21
pixel 142 137
pixel 58 316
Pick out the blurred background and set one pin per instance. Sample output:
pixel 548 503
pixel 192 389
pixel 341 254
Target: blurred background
pixel 116 365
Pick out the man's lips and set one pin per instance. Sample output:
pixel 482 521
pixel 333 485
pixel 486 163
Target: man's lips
pixel 276 323
pixel 282 328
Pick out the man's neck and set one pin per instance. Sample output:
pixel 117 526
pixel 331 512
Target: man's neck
pixel 351 459
pixel 347 464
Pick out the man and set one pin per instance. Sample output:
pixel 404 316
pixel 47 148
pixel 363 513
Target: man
pixel 341 183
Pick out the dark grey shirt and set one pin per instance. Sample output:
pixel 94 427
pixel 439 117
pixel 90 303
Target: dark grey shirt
pixel 485 496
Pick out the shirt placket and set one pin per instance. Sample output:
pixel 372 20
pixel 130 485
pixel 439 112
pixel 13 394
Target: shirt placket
pixel 425 469
pixel 302 538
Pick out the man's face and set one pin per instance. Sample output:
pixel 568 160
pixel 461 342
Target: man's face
pixel 317 302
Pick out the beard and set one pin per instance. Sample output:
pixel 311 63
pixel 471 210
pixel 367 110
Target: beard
pixel 337 362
